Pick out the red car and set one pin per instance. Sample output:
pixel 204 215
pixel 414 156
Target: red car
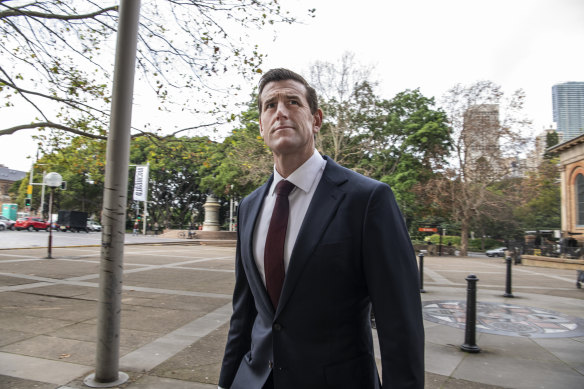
pixel 31 224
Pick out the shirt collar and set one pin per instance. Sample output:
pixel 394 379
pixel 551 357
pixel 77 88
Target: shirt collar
pixel 305 175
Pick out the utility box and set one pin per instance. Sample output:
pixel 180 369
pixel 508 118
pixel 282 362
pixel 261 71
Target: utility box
pixel 10 211
pixel 75 221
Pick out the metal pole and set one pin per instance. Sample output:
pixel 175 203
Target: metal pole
pixel 144 224
pixel 43 196
pixel 50 245
pixel 29 189
pixel 231 214
pixel 421 256
pixel 470 345
pixel 145 217
pixel 508 292
pixel 114 202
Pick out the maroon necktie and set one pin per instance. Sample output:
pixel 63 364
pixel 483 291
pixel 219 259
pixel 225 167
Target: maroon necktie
pixel 274 251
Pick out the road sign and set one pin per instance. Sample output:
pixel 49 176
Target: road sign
pixel 428 229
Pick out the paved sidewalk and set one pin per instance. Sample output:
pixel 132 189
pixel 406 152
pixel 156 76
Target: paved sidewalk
pixel 176 307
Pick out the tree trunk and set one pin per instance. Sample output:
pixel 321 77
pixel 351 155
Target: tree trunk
pixel 464 229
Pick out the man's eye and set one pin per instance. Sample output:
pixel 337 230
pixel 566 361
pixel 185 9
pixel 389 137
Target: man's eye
pixel 270 105
pixel 294 102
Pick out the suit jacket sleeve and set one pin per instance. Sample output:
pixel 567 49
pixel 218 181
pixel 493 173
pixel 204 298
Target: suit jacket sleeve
pixel 392 279
pixel 244 312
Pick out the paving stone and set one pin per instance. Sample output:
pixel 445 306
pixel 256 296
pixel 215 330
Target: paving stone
pixel 11 336
pixel 8 382
pixel 569 351
pixel 165 278
pixel 39 369
pixel 31 324
pixel 58 349
pixel 517 372
pixel 200 362
pixel 162 311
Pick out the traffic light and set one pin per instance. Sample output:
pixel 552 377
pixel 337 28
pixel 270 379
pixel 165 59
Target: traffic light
pixel 64 185
pixel 27 201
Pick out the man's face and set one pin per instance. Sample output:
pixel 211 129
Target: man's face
pixel 286 123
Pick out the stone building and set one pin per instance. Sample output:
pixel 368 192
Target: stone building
pixel 571 153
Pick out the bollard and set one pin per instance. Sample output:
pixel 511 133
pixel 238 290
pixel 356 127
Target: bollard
pixel 470 345
pixel 421 256
pixel 508 279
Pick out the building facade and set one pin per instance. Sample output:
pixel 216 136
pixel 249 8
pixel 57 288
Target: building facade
pixel 481 141
pixel 568 109
pixel 7 178
pixel 571 155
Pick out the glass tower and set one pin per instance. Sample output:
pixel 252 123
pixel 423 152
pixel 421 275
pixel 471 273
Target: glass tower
pixel 568 106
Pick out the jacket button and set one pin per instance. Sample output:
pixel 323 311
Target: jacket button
pixel 277 327
pixel 270 364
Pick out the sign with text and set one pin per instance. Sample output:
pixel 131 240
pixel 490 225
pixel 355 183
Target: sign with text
pixel 141 183
pixel 428 229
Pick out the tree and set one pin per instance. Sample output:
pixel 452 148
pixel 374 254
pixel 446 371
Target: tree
pixel 551 139
pixel 541 198
pixel 177 167
pixel 410 140
pixel 345 95
pixel 488 135
pixel 81 166
pixel 56 58
pixel 401 141
pixel 243 161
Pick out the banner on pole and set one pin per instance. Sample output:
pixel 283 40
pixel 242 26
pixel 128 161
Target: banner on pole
pixel 141 183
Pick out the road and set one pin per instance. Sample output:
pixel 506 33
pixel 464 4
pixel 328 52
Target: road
pixel 35 239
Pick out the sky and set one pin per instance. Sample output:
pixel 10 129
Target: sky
pixel 427 44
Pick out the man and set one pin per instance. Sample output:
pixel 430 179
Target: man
pixel 345 248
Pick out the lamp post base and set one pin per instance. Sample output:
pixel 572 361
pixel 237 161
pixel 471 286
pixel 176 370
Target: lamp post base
pixel 92 383
pixel 470 348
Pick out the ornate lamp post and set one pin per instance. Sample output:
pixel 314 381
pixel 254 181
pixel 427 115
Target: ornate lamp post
pixel 53 180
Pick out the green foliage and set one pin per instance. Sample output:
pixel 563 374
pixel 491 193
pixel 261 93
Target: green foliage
pixel 475 245
pixel 410 140
pixel 541 195
pixel 446 239
pixel 177 167
pixel 551 139
pixel 242 162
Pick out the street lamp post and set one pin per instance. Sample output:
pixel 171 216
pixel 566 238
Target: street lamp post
pixel 53 180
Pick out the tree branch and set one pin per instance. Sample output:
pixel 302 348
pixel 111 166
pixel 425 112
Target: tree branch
pixel 20 12
pixel 56 126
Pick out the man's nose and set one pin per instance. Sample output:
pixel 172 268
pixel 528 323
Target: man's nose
pixel 282 110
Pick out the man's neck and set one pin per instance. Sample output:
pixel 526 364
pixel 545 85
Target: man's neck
pixel 287 164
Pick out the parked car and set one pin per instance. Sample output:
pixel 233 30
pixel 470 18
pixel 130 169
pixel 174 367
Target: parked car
pixel 93 225
pixel 31 224
pixel 2 225
pixel 498 252
pixel 9 224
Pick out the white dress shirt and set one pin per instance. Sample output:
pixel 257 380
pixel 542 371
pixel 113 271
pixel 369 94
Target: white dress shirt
pixel 306 179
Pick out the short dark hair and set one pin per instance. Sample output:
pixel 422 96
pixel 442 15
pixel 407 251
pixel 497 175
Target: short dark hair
pixel 282 74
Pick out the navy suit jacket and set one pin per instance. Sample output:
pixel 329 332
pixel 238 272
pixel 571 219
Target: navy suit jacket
pixel 352 250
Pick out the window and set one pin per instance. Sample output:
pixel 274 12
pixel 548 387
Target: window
pixel 580 199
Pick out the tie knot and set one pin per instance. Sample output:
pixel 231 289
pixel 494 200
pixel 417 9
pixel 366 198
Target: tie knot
pixel 284 188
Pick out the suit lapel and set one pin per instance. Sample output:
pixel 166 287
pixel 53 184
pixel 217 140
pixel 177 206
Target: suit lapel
pixel 322 208
pixel 251 214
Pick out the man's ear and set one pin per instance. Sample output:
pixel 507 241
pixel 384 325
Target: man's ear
pixel 261 128
pixel 316 121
